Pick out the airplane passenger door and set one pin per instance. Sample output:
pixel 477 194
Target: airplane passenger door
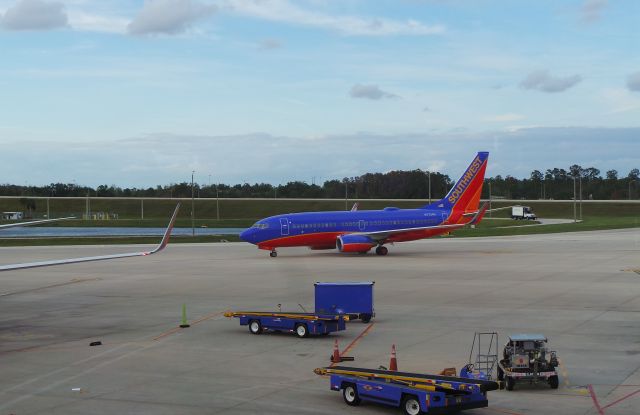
pixel 361 225
pixel 284 226
pixel 444 216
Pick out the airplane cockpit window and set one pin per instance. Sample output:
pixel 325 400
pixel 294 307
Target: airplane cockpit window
pixel 259 225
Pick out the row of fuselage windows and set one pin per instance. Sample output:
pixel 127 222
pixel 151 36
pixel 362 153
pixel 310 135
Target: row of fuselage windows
pixel 406 222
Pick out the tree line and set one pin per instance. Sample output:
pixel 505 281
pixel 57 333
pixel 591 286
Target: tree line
pixel 554 183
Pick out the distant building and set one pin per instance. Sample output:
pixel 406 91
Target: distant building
pixel 12 215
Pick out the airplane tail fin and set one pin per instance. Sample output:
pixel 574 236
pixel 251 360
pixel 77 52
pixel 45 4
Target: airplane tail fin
pixel 464 197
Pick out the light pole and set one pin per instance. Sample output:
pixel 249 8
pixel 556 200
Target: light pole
pixel 346 194
pixel 630 181
pixel 193 216
pixel 429 187
pixel 217 204
pixel 490 199
pixel 575 218
pixel 580 197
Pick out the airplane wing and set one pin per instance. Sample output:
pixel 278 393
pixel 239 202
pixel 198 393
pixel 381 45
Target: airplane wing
pixel 485 207
pixel 380 235
pixel 35 222
pixel 163 243
pixel 477 217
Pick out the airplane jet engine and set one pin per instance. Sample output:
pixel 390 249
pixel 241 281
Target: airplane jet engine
pixel 354 243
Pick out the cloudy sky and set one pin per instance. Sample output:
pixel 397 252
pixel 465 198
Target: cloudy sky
pixel 139 93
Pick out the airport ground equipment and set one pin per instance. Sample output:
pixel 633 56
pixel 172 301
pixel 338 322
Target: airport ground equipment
pixel 483 357
pixel 302 324
pixel 412 392
pixel 522 212
pixel 526 359
pixel 352 298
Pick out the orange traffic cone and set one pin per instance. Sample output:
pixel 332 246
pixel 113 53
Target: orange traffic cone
pixel 393 363
pixel 335 357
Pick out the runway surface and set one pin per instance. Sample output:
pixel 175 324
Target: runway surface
pixel 582 290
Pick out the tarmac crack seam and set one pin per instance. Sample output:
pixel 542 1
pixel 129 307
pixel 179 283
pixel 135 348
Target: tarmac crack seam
pixel 84 372
pixel 617 401
pixel 25 383
pixel 193 323
pixel 62 284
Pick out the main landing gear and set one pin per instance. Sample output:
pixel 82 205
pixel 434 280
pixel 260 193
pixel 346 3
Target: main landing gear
pixel 273 254
pixel 382 250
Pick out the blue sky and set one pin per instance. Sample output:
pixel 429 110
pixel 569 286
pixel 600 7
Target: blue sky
pixel 139 93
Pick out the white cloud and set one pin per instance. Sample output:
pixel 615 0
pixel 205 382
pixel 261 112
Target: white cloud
pixel 168 16
pixel 633 82
pixel 90 22
pixel 34 15
pixel 284 11
pixel 503 117
pixel 591 10
pixel 543 81
pixel 372 92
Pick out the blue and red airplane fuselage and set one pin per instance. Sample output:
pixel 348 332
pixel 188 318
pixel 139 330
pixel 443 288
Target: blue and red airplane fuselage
pixel 360 231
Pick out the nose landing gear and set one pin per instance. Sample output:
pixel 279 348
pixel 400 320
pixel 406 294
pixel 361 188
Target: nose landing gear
pixel 273 254
pixel 382 250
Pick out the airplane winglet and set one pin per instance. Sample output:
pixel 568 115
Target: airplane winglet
pixel 167 233
pixel 160 247
pixel 480 214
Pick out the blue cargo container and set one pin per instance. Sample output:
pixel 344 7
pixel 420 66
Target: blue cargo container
pixel 352 298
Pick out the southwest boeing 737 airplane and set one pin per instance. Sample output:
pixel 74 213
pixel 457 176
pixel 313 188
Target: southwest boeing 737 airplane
pixel 360 231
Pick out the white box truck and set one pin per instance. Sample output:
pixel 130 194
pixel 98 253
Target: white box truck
pixel 522 212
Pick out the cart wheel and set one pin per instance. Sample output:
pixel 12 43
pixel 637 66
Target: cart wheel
pixel 255 327
pixel 554 382
pixel 350 394
pixel 365 318
pixel 510 383
pixel 411 405
pixel 301 330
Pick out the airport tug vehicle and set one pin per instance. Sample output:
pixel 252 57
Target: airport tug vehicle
pixel 413 393
pixel 335 304
pixel 526 358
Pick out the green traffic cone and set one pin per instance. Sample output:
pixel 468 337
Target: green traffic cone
pixel 184 323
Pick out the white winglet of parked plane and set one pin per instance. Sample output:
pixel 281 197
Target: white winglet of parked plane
pixel 35 222
pixel 160 247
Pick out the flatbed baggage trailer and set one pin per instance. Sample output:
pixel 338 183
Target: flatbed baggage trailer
pixel 302 324
pixel 412 392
